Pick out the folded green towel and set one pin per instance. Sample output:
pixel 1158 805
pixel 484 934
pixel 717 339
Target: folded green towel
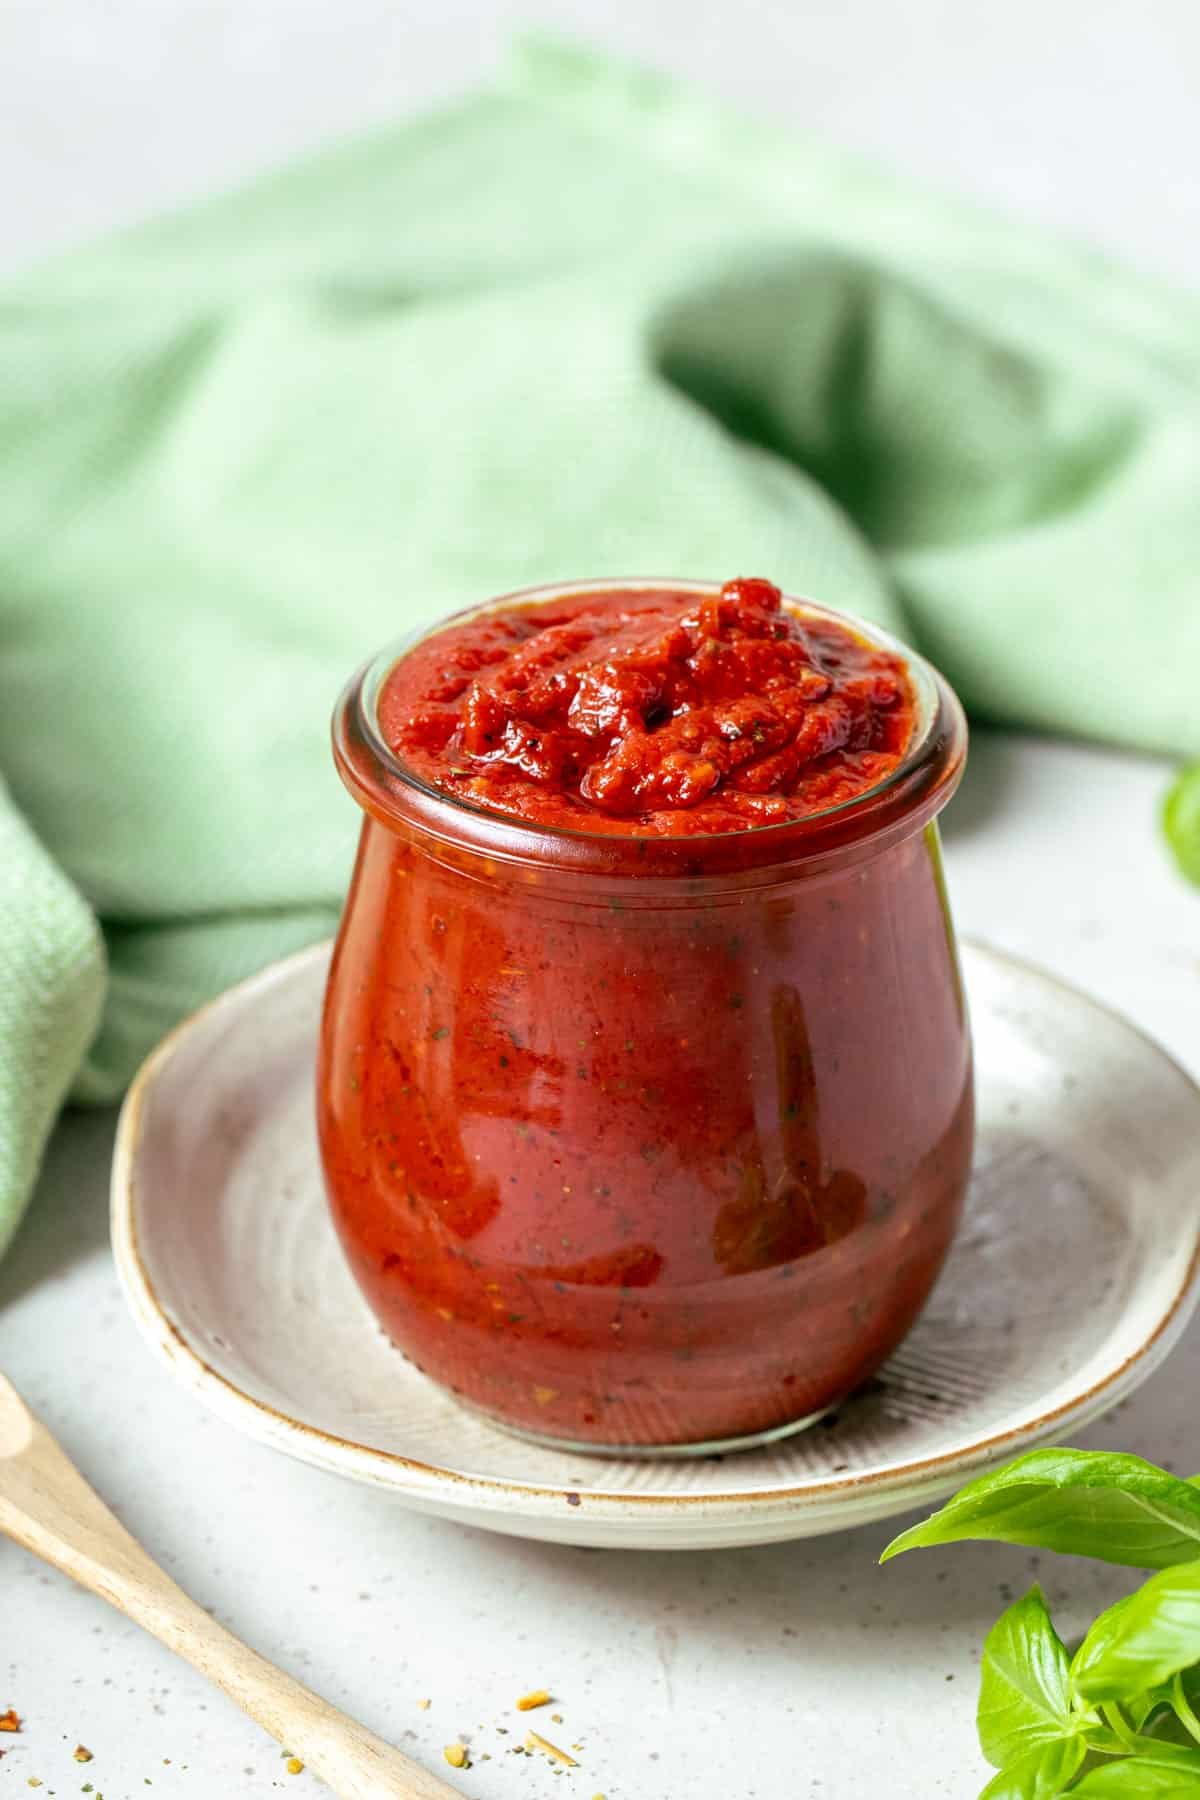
pixel 581 324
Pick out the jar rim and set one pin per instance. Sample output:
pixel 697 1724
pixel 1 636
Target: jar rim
pixel 907 796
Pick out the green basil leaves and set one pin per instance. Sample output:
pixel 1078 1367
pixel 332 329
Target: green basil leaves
pixel 1039 1774
pixel 1024 1693
pixel 1083 1502
pixel 1143 1641
pixel 1161 1772
pixel 1122 1716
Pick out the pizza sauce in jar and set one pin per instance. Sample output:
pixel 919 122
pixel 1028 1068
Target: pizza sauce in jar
pixel 645 1085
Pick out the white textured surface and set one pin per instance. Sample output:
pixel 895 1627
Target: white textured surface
pixel 775 1674
pixel 1072 1276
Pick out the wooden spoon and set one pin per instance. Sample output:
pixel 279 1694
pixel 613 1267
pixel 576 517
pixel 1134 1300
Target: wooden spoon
pixel 46 1505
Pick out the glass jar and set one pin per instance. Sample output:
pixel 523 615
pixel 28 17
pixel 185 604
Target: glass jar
pixel 650 1144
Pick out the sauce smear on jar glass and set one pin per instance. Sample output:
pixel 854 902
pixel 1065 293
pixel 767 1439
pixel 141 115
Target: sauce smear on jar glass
pixel 645 1084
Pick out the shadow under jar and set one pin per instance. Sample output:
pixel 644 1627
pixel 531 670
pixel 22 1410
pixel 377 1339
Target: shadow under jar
pixel 638 1134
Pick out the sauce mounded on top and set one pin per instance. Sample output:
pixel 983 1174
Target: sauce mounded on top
pixel 650 710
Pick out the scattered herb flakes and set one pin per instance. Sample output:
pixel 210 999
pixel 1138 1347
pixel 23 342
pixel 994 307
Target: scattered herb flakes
pixel 456 1756
pixel 538 1697
pixel 535 1741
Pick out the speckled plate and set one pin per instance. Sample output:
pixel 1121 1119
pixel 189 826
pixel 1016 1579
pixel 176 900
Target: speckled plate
pixel 1074 1273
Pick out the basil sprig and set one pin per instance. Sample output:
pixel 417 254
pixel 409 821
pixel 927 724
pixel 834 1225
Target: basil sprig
pixel 1121 1717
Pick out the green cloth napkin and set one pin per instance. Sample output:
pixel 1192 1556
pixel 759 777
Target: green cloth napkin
pixel 580 324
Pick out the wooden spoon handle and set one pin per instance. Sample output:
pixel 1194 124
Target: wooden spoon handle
pixel 46 1505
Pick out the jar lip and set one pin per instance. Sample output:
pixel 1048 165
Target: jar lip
pixel 371 769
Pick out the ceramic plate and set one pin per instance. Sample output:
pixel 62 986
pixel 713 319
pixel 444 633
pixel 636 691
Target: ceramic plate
pixel 1074 1273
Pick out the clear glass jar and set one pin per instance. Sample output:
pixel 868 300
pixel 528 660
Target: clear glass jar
pixel 652 1144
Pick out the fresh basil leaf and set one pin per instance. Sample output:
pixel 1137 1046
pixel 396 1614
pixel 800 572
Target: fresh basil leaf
pixel 1160 1772
pixel 1024 1692
pixel 1185 1704
pixel 1181 820
pixel 1138 1708
pixel 1085 1502
pixel 1040 1774
pixel 1144 1639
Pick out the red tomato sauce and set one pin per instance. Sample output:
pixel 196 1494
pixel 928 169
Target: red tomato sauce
pixel 651 711
pixel 630 1159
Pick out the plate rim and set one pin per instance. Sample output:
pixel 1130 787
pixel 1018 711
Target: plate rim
pixel 423 1482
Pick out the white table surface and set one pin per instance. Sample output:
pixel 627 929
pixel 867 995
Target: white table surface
pixel 767 1674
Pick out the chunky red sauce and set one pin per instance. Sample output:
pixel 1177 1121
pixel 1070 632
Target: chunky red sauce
pixel 636 1161
pixel 651 711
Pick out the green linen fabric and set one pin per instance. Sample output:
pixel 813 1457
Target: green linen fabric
pixel 582 323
